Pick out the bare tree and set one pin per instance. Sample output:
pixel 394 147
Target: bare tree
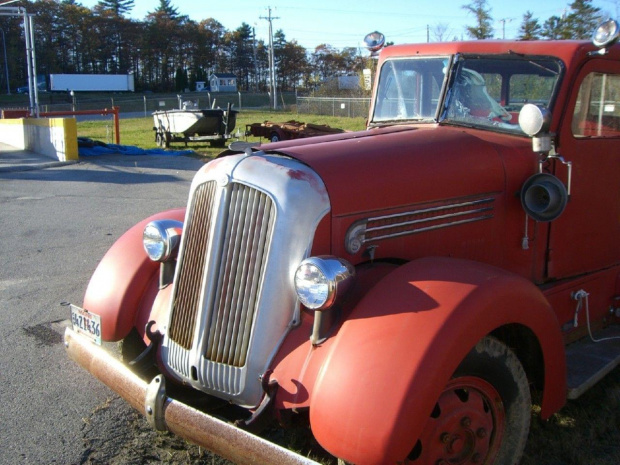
pixel 441 32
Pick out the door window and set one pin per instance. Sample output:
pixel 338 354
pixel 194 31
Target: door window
pixel 597 110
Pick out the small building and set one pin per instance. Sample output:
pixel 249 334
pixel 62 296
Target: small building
pixel 223 82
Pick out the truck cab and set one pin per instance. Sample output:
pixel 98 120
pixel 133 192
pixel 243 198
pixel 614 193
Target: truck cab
pixel 402 289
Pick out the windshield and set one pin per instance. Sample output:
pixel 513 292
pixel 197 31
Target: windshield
pixel 409 89
pixel 486 92
pixel 490 92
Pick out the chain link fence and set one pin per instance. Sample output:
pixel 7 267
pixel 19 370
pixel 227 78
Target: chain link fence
pixel 146 104
pixel 334 106
pixel 137 105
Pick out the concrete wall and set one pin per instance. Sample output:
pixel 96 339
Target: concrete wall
pixel 53 137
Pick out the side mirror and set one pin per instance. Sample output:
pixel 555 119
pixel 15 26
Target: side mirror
pixel 535 122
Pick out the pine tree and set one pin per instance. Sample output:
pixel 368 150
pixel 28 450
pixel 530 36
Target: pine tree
pixel 165 8
pixel 582 19
pixel 483 28
pixel 118 7
pixel 555 29
pixel 530 28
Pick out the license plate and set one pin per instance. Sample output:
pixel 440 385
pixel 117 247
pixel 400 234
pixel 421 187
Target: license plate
pixel 86 323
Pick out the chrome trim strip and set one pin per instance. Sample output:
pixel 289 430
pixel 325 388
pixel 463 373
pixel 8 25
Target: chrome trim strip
pixel 429 228
pixel 426 220
pixel 359 232
pixel 433 209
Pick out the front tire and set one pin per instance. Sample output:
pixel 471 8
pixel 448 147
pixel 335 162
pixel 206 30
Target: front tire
pixel 483 414
pixel 131 346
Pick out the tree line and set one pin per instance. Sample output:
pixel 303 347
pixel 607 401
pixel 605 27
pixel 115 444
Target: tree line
pixel 167 51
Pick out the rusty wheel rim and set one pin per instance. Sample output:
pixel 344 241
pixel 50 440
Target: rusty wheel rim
pixel 466 426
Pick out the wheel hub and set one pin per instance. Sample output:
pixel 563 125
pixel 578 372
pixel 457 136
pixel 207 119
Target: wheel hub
pixel 466 426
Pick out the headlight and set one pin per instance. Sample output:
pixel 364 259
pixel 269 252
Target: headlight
pixel 161 239
pixel 320 280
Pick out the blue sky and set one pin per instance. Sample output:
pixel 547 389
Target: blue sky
pixel 345 23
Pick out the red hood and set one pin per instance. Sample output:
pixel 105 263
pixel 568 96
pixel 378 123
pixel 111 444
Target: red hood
pixel 370 170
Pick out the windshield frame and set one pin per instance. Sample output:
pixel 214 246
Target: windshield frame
pixel 375 121
pixel 455 63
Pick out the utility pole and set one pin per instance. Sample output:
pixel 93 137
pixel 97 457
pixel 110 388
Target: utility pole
pixel 256 77
pixel 503 21
pixel 272 66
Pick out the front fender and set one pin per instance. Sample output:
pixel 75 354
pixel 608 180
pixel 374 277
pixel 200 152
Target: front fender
pixel 395 353
pixel 121 279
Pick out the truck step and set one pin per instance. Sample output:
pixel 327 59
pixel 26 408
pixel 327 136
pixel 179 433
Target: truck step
pixel 588 361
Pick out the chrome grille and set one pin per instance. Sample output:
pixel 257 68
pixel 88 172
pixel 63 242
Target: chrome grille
pixel 187 296
pixel 243 258
pixel 251 219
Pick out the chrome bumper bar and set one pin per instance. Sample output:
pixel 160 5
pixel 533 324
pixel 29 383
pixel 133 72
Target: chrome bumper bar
pixel 197 427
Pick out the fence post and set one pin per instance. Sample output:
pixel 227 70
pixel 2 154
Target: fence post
pixel 117 126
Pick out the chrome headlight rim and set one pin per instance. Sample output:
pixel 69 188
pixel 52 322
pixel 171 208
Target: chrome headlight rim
pixel 161 238
pixel 320 281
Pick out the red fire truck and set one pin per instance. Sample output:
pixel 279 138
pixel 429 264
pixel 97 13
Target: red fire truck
pixel 404 288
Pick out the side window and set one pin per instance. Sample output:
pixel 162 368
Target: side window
pixel 597 110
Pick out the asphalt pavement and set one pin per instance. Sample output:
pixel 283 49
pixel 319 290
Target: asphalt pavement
pixel 58 220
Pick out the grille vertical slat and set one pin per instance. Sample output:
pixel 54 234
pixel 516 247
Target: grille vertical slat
pixel 226 284
pixel 243 264
pixel 188 288
pixel 262 227
pixel 241 324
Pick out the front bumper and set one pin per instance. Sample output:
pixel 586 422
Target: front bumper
pixel 197 427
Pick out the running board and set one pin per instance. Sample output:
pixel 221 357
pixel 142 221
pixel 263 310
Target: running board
pixel 588 362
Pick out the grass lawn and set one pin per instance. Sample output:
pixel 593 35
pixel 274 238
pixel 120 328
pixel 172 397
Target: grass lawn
pixel 139 132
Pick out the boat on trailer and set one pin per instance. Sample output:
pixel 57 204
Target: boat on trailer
pixel 212 125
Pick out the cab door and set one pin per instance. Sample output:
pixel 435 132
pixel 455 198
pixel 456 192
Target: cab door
pixel 586 237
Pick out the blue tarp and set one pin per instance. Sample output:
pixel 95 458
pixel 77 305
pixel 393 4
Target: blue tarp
pixel 87 148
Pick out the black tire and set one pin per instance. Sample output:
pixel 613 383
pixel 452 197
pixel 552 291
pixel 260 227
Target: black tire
pixel 274 137
pixel 131 346
pixel 490 393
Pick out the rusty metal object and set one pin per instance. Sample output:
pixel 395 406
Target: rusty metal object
pixel 215 435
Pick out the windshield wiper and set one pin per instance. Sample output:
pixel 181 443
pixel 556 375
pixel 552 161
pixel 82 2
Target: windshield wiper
pixel 396 122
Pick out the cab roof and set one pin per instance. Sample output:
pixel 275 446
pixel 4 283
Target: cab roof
pixel 566 50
